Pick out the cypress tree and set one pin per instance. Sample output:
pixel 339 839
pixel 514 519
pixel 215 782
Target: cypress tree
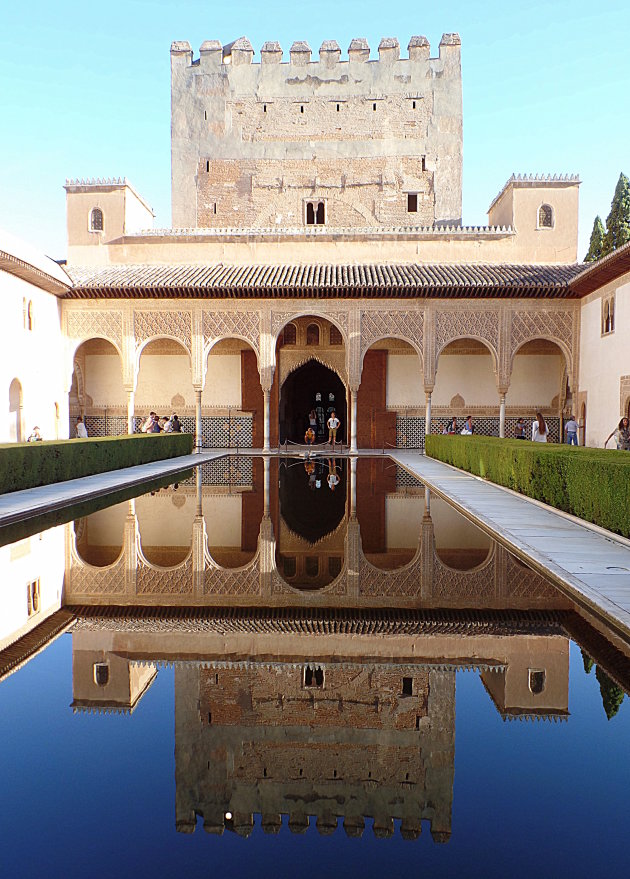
pixel 596 245
pixel 618 222
pixel 588 662
pixel 612 695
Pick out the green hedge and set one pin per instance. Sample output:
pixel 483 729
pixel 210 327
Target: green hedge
pixel 593 484
pixel 29 465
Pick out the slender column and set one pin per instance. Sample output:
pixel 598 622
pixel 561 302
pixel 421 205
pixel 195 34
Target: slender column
pixel 266 465
pixel 353 488
pixel 130 411
pixel 198 437
pixel 353 422
pixel 427 416
pixel 267 406
pixel 502 415
pixel 199 491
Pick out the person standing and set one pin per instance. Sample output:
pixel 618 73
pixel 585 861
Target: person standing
pixel 621 434
pixel 81 429
pixel 333 426
pixel 36 436
pixel 539 429
pixel 571 431
pixel 177 425
pixel 519 429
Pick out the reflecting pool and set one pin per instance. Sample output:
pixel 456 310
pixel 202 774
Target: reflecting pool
pixel 300 666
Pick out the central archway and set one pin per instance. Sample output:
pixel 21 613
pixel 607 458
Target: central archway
pixel 298 397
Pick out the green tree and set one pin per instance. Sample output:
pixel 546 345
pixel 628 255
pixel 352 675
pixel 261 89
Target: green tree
pixel 588 662
pixel 612 695
pixel 618 222
pixel 596 246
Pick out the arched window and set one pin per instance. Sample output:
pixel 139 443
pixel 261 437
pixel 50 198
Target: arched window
pixel 319 217
pixel 545 216
pixel 536 681
pixel 96 220
pixel 101 674
pixel 310 214
pixel 289 335
pixel 29 316
pixel 33 597
pixel 335 336
pixel 608 315
pixel 312 334
pixel 315 213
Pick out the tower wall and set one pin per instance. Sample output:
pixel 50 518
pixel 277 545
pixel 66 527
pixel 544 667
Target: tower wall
pixel 252 144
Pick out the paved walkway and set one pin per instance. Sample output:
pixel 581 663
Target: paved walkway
pixel 19 505
pixel 587 563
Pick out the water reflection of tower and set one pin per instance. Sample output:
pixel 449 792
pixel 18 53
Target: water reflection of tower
pixel 353 741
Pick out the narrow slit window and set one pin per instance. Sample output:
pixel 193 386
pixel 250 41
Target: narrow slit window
pixel 374 107
pixel 264 108
pixel 413 105
pixel 337 108
pixel 208 167
pixel 424 163
pixel 301 108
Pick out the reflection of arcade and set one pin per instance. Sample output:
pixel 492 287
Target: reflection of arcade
pixel 266 722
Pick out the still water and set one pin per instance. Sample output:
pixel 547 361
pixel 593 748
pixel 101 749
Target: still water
pixel 301 668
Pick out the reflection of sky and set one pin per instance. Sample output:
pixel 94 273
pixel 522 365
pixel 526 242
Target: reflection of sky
pixel 94 795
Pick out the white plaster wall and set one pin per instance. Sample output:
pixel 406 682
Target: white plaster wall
pixel 103 380
pixel 403 521
pixel 470 375
pixel 162 377
pixel 453 531
pixel 536 379
pixel 161 523
pixel 35 358
pixel 405 387
pixel 223 381
pixel 39 557
pixel 105 527
pixel 223 515
pixel 603 360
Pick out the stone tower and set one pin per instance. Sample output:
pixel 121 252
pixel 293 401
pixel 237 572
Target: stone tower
pixel 343 144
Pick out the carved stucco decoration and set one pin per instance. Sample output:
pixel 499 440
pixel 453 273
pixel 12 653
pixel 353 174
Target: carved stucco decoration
pixel 154 324
pixel 624 395
pixel 280 318
pixel 451 584
pixel 405 582
pixel 400 324
pixel 87 580
pixel 291 360
pixel 558 325
pixel 467 323
pixel 339 586
pixel 165 581
pixel 235 324
pixel 522 582
pixel 90 324
pixel 240 581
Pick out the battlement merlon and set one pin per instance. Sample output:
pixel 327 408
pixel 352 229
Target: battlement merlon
pixel 213 55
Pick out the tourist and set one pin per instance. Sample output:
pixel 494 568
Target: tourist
pixel 621 434
pixel 148 424
pixel 312 420
pixel 309 436
pixel 81 429
pixel 36 436
pixel 333 476
pixel 539 429
pixel 519 429
pixel 468 428
pixel 167 427
pixel 571 431
pixel 452 427
pixel 333 427
pixel 155 427
pixel 176 423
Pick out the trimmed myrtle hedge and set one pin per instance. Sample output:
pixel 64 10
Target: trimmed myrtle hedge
pixel 29 465
pixel 593 484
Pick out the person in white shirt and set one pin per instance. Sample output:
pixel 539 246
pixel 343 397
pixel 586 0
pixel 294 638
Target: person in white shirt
pixel 539 429
pixel 333 425
pixel 81 429
pixel 571 431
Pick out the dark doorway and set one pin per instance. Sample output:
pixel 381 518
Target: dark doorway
pixel 298 397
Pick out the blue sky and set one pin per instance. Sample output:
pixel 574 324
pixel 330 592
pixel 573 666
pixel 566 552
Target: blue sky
pixel 85 91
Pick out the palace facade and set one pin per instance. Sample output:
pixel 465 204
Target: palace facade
pixel 316 249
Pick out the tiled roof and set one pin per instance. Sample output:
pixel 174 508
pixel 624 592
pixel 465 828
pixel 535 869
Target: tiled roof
pixel 323 281
pixel 595 274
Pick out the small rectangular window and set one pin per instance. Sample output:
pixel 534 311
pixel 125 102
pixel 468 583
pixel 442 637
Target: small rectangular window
pixel 407 686
pixel 412 202
pixel 413 104
pixel 374 107
pixel 301 108
pixel 208 167
pixel 424 163
pixel 337 108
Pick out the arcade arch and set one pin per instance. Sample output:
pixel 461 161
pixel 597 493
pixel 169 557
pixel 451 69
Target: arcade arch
pixel 465 384
pixel 165 526
pixel 390 399
pixel 538 383
pixel 16 417
pixel 164 382
pixel 96 390
pixel 232 399
pixel 99 536
pixel 310 360
pixel 459 544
